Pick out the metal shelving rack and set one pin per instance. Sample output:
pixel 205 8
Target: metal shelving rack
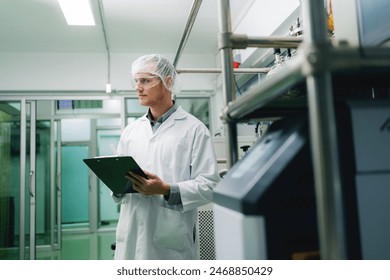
pixel 314 64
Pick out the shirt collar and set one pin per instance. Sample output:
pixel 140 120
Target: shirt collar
pixel 165 116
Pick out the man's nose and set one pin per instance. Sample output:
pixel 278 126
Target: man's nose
pixel 138 86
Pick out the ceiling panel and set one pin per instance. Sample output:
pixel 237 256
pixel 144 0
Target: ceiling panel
pixel 132 26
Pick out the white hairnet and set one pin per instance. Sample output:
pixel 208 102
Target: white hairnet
pixel 158 65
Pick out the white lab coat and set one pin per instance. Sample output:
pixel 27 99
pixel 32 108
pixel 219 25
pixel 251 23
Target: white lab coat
pixel 179 152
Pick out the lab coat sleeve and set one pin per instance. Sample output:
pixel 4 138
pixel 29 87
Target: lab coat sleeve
pixel 117 198
pixel 204 172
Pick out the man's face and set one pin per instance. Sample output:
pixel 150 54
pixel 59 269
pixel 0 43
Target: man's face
pixel 149 89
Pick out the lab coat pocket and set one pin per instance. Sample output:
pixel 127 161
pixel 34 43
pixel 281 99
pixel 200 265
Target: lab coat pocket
pixel 176 161
pixel 169 229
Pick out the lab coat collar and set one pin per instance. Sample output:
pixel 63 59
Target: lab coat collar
pixel 177 115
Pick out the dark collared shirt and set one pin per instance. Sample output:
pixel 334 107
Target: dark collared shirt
pixel 156 124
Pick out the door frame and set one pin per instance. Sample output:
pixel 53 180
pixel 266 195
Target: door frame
pixel 30 183
pixel 28 120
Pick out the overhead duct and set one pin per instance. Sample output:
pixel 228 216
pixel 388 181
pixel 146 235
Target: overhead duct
pixel 101 14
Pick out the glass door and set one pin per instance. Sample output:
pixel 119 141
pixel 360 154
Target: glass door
pixel 75 186
pixel 107 141
pixel 28 170
pixel 17 180
pixel 27 181
pixel 55 185
pixel 44 184
pixel 10 143
pixel 48 189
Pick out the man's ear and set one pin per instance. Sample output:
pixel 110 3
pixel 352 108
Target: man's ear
pixel 169 82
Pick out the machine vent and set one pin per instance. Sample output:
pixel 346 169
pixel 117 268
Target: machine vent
pixel 206 235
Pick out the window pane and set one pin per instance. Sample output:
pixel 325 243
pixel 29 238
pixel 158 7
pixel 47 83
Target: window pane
pixel 199 107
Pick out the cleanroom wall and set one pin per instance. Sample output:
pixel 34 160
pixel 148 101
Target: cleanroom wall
pixel 85 71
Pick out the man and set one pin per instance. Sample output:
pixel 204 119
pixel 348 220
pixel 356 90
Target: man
pixel 176 153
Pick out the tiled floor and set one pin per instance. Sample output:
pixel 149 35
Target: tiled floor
pixel 75 246
pixel 96 246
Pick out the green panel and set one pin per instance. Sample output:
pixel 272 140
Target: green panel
pixel 75 185
pixel 108 210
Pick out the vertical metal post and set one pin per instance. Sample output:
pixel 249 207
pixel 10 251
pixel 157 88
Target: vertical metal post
pixel 123 113
pixel 323 134
pixel 93 191
pixel 32 182
pixel 52 180
pixel 55 165
pixel 22 213
pixel 59 186
pixel 228 80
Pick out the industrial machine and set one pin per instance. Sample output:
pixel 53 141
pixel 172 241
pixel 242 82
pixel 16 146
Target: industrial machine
pixel 364 128
pixel 265 207
pixel 362 23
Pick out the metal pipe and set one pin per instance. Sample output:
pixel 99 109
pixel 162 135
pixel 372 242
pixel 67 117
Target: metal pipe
pixel 219 70
pixel 241 41
pixel 323 134
pixel 228 80
pixel 106 42
pixel 187 30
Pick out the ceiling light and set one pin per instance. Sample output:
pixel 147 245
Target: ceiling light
pixel 77 12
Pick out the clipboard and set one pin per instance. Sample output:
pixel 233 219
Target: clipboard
pixel 112 170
